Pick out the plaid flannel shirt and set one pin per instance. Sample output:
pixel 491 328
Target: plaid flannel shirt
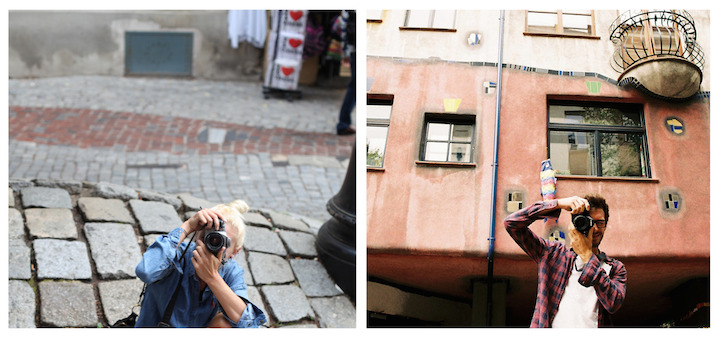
pixel 555 261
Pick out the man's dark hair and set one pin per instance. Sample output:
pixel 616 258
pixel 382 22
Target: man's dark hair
pixel 597 201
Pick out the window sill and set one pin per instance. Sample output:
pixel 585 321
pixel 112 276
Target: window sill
pixel 446 164
pixel 556 35
pixel 428 29
pixel 375 169
pixel 607 179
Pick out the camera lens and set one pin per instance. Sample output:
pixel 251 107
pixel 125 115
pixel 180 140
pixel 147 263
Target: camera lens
pixel 583 223
pixel 214 240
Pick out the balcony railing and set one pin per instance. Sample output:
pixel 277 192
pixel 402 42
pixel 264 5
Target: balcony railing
pixel 643 35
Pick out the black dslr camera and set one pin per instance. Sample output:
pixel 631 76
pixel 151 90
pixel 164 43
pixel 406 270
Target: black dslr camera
pixel 215 240
pixel 583 222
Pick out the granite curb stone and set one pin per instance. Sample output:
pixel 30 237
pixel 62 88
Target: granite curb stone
pixel 73 187
pixel 269 269
pixel 57 258
pixel 334 312
pixel 287 302
pixel 67 304
pixel 313 278
pixel 19 260
pixel 51 223
pixel 97 209
pixel 115 191
pixel 155 217
pixel 21 302
pixel 148 195
pixel 119 298
pixel 42 197
pixel 243 262
pixel 16 226
pixel 11 198
pixel 114 249
pixel 254 218
pixel 263 240
pixel 299 243
pixel 286 222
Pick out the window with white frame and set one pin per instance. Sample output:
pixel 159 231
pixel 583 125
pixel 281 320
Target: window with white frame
pixel 448 138
pixel 430 19
pixel 576 23
pixel 378 117
pixel 374 15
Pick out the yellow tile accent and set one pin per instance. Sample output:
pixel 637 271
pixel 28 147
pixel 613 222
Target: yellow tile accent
pixel 451 105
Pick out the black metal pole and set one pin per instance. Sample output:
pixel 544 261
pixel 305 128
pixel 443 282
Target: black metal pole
pixel 336 243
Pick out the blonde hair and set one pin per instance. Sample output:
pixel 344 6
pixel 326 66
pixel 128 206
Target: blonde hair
pixel 233 213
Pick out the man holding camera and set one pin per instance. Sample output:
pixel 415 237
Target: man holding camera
pixel 578 286
pixel 198 287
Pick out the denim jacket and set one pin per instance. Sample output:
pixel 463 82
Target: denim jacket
pixel 161 270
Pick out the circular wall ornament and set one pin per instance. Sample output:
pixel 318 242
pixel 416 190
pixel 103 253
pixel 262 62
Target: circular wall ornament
pixel 675 125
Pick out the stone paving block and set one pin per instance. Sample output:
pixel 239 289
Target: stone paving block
pixel 57 258
pixel 314 224
pixel 269 269
pixel 42 197
pixel 98 209
pixel 286 222
pixel 315 161
pixel 16 225
pixel 194 203
pixel 73 187
pixel 155 217
pixel 149 195
pixel 243 262
pixel 335 312
pixel 255 298
pixel 115 191
pixel 118 298
pixel 19 260
pixel 263 240
pixel 51 223
pixel 287 303
pixel 254 218
pixel 114 248
pixel 299 243
pixel 11 198
pixel 313 278
pixel 18 184
pixel 21 305
pixel 67 304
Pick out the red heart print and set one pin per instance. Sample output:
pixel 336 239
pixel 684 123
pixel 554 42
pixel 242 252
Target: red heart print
pixel 295 15
pixel 295 42
pixel 287 70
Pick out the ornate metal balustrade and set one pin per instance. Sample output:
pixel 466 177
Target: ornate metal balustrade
pixel 640 35
pixel 657 52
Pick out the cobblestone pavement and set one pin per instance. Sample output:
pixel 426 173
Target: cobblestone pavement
pixel 74 247
pixel 216 141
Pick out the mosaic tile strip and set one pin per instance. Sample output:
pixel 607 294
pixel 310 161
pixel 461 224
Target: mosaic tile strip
pixel 699 95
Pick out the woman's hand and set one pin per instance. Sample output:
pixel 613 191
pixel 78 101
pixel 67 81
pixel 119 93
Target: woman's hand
pixel 206 265
pixel 200 220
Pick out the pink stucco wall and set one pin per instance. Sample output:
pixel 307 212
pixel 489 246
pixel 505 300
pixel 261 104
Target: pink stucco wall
pixel 428 227
pixel 446 210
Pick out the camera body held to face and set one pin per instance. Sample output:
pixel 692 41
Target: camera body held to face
pixel 215 240
pixel 583 222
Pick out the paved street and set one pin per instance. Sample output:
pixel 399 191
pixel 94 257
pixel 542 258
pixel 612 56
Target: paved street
pixel 126 142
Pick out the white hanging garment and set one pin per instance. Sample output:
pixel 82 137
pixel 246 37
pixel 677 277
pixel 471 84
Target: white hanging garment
pixel 247 25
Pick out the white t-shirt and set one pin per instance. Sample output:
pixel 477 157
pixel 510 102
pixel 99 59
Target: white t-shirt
pixel 579 304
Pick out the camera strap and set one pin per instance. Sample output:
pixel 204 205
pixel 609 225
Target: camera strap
pixel 165 322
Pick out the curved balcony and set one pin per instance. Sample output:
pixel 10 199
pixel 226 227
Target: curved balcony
pixel 656 52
